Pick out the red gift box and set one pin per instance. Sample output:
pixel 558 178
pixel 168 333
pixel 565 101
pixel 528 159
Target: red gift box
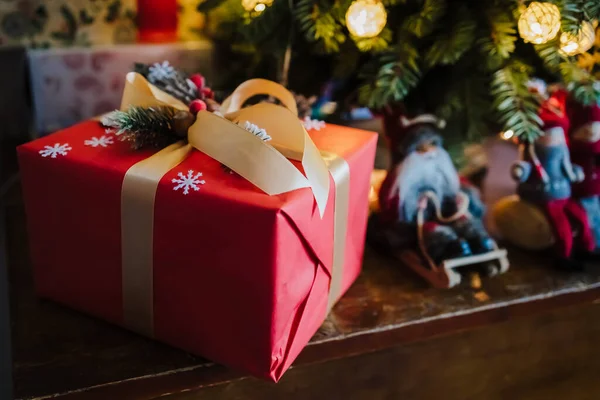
pixel 239 277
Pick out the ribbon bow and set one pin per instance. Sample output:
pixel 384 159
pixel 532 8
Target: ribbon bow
pixel 266 165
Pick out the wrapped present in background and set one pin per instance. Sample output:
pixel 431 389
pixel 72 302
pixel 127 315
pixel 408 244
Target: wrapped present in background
pixel 65 23
pixel 71 85
pixel 173 245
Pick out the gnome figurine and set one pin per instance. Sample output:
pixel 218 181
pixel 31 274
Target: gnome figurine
pixel 585 151
pixel 545 175
pixel 423 189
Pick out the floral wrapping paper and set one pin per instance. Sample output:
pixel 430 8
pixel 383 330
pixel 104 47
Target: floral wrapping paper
pixel 71 85
pixel 65 23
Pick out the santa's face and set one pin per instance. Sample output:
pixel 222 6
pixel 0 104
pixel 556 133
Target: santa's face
pixel 428 168
pixel 426 147
pixel 589 132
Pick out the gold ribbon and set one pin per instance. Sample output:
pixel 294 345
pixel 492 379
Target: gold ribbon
pixel 263 164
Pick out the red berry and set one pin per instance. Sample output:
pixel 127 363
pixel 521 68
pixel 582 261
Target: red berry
pixel 198 80
pixel 207 93
pixel 196 106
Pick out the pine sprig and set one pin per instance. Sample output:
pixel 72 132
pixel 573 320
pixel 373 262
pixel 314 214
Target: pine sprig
pixel 424 22
pixel 392 81
pixel 319 25
pixel 498 43
pixel 572 14
pixel 268 24
pixel 516 106
pixel 591 8
pixel 374 44
pixel 580 83
pixel 448 47
pixel 144 126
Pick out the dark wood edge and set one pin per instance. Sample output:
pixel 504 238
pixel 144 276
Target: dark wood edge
pixel 196 378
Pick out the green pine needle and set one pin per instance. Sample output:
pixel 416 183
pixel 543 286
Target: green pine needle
pixel 144 126
pixel 449 47
pixel 517 108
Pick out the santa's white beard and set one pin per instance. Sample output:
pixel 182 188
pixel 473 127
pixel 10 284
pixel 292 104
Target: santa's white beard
pixel 420 172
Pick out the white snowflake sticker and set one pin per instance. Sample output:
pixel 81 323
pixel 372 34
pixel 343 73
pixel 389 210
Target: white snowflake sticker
pixel 102 141
pixel 189 181
pixel 310 124
pixel 57 149
pixel 159 72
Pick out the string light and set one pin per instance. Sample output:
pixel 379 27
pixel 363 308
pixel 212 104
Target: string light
pixel 539 23
pixel 571 44
pixel 256 6
pixel 506 135
pixel 366 18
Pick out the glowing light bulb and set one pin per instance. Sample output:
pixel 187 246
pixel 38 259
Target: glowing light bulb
pixel 366 18
pixel 571 44
pixel 256 6
pixel 508 134
pixel 539 23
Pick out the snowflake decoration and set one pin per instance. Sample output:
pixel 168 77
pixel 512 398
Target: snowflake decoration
pixel 159 72
pixel 189 181
pixel 310 124
pixel 102 141
pixel 57 149
pixel 109 131
pixel 256 131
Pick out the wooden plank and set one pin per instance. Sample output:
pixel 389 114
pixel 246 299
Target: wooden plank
pixel 551 356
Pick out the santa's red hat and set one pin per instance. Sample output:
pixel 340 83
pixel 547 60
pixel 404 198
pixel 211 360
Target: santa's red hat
pixel 554 111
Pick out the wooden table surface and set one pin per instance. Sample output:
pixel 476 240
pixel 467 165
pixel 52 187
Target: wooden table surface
pixel 388 315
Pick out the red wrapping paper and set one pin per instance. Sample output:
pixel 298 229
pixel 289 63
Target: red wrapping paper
pixel 238 275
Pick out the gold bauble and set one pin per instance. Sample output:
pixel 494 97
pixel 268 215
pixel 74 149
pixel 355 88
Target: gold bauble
pixel 256 6
pixel 366 18
pixel 571 44
pixel 539 23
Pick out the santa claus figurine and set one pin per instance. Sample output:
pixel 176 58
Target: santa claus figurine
pixel 585 151
pixel 545 175
pixel 423 190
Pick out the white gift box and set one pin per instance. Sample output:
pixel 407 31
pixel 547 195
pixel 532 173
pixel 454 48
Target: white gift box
pixel 73 84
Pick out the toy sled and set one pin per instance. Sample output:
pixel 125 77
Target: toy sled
pixel 447 273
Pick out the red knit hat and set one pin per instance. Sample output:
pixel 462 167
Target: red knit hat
pixel 553 111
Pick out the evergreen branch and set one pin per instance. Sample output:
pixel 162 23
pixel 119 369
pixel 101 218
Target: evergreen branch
pixel 499 44
pixel 264 27
pixel 572 15
pixel 392 81
pixel 424 22
pixel 449 47
pixel 591 8
pixel 374 44
pixel 550 54
pixel 517 108
pixel 319 25
pixel 580 83
pixel 144 126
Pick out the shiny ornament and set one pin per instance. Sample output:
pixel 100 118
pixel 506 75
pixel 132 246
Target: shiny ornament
pixel 571 44
pixel 256 6
pixel 539 23
pixel 366 18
